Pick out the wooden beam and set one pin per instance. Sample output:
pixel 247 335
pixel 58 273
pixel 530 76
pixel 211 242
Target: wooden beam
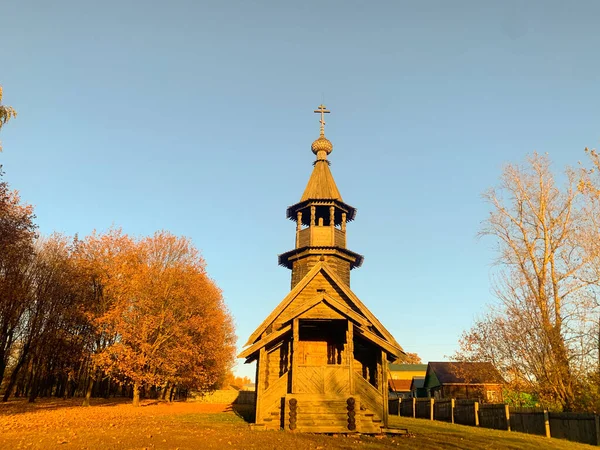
pixel 260 383
pixel 350 351
pixel 361 306
pixel 285 302
pixel 263 342
pixel 345 310
pixel 385 388
pixel 380 342
pixel 295 353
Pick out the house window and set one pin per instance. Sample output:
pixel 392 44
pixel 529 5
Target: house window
pixel 492 396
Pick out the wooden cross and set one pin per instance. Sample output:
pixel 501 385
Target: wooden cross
pixel 322 110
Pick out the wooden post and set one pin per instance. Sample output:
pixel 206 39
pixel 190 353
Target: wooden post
pixel 350 346
pixel 431 406
pixel 260 382
pixel 414 408
pixel 298 228
pixel 547 424
pixel 384 387
pixel 313 214
pixel 597 423
pixel 344 227
pixel 399 405
pixel 332 223
pixel 452 403
pixel 295 355
pixel 507 415
pixel 476 412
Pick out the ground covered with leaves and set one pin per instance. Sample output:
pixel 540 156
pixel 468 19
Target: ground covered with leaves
pixel 116 424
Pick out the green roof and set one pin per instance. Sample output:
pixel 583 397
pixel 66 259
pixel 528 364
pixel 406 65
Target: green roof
pixel 408 367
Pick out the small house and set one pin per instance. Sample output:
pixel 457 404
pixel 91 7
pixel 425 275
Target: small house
pixel 417 387
pixel 401 377
pixel 462 380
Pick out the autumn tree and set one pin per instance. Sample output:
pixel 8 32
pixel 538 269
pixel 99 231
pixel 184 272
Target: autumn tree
pixel 102 261
pixel 6 113
pixel 236 381
pixel 47 338
pixel 17 234
pixel 537 333
pixel 410 358
pixel 168 319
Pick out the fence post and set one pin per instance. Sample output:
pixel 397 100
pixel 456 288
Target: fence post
pixel 476 412
pixel 507 415
pixel 399 405
pixel 431 402
pixel 452 410
pixel 547 423
pixel 597 421
pixel 414 408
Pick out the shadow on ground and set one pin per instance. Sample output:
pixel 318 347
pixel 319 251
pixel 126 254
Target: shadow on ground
pixel 246 412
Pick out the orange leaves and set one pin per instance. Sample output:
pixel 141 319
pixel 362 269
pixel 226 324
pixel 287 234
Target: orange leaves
pixel 168 319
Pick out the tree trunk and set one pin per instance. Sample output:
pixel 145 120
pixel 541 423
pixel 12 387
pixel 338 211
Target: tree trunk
pixel 88 392
pixel 14 375
pixel 136 394
pixel 163 394
pixel 2 368
pixel 33 393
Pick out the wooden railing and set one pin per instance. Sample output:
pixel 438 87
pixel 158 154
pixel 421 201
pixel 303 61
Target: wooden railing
pixel 321 236
pixel 272 396
pixel 369 395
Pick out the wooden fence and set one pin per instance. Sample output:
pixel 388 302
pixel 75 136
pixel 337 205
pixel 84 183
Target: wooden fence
pixel 407 407
pixel 495 416
pixel 444 410
pixel 530 421
pixel 578 427
pixel 466 412
pixel 575 427
pixel 424 408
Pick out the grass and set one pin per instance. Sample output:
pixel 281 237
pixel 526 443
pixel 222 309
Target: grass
pixel 115 424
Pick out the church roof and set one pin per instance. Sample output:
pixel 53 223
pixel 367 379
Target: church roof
pixel 321 185
pixel 381 336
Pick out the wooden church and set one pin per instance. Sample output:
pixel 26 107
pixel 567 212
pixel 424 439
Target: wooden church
pixel 321 355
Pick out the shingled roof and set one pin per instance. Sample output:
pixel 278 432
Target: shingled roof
pixel 321 184
pixel 465 373
pixel 400 385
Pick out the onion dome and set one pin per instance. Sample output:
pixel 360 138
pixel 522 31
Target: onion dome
pixel 322 144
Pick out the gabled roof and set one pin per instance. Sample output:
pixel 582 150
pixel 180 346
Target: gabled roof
pixel 321 184
pixel 399 385
pixel 408 367
pixel 449 372
pixel 361 309
pixel 417 383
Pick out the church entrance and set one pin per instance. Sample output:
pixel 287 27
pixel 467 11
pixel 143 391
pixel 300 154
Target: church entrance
pixel 322 360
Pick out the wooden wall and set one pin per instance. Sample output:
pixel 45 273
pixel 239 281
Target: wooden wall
pixel 302 266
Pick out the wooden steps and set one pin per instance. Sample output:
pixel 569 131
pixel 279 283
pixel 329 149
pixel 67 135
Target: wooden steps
pixel 328 414
pixel 395 431
pixel 324 429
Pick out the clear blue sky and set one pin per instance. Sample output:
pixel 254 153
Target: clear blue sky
pixel 196 117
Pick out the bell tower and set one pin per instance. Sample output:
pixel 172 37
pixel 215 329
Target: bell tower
pixel 321 217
